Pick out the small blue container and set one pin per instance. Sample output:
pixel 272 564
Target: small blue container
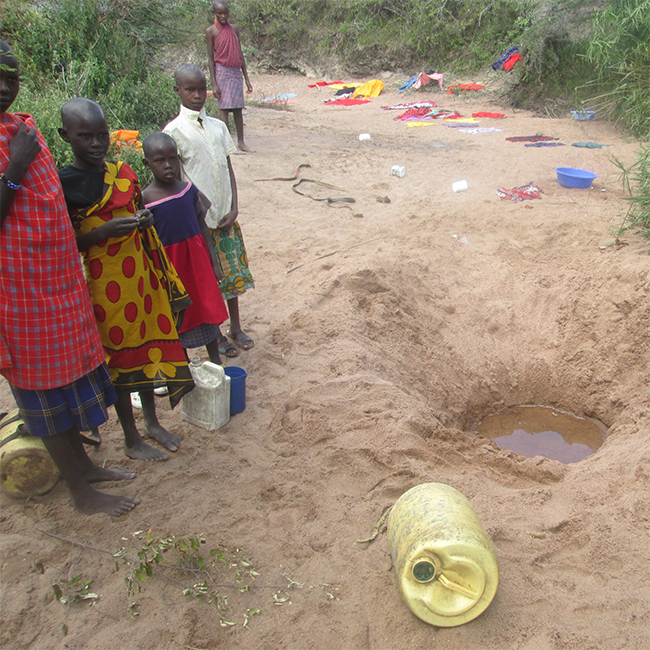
pixel 572 177
pixel 237 388
pixel 583 116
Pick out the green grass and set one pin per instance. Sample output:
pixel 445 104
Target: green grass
pixel 636 180
pixel 620 55
pixel 372 35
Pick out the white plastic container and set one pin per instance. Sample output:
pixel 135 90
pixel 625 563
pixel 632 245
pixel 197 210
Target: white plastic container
pixel 208 405
pixel 398 170
pixel 459 186
pixel 364 136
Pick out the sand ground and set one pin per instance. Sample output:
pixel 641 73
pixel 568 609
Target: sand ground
pixel 382 338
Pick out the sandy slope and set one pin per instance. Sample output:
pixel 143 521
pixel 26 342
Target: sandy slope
pixel 381 342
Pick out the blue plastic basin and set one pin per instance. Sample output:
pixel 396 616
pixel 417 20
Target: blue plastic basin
pixel 572 177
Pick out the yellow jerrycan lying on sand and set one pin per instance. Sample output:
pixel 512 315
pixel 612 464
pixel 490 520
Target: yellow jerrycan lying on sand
pixel 26 467
pixel 446 565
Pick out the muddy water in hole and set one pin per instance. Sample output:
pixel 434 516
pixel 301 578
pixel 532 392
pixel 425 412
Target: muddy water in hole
pixel 543 431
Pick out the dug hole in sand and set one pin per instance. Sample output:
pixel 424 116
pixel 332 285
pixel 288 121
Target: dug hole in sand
pixel 381 341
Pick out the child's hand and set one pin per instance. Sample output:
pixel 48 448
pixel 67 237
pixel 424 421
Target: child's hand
pixel 145 219
pixel 23 149
pixel 216 93
pixel 249 87
pixel 217 270
pixel 119 227
pixel 227 221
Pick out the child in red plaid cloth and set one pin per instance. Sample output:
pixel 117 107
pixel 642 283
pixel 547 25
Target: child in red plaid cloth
pixel 50 350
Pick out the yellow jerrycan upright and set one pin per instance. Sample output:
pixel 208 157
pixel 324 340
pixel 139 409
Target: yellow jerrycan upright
pixel 26 467
pixel 446 565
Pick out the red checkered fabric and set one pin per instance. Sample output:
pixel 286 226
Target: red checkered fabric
pixel 226 48
pixel 48 334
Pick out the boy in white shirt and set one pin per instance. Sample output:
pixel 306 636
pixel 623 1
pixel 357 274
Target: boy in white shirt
pixel 205 146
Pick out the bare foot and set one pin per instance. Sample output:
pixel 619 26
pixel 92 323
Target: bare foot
pixel 242 146
pixel 90 502
pixel 97 474
pixel 140 450
pixel 159 434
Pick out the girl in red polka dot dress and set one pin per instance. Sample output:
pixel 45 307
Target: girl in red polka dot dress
pixel 135 291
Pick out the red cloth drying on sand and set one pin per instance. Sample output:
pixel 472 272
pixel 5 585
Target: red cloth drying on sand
pixel 348 102
pixel 320 84
pixel 472 86
pixel 521 193
pixel 428 114
pixel 484 114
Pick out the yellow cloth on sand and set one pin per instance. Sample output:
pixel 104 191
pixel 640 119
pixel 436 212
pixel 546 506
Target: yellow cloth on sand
pixel 371 88
pixel 425 123
pixel 463 120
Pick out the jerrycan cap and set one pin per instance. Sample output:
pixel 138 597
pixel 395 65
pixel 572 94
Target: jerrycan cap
pixel 424 571
pixel 450 588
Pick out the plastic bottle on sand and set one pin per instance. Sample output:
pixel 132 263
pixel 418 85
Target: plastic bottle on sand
pixel 208 405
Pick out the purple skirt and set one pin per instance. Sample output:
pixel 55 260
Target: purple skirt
pixel 231 85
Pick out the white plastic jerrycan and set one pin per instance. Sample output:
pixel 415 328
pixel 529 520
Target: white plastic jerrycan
pixel 208 405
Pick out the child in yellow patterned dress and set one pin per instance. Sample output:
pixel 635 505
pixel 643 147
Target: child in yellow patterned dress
pixel 134 289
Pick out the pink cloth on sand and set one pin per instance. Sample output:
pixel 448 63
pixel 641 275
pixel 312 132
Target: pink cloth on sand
pixel 424 78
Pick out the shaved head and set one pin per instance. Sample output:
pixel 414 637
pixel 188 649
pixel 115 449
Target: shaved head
pixel 187 71
pixel 81 108
pixel 156 141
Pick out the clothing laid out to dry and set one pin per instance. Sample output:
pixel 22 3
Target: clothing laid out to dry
pixel 521 193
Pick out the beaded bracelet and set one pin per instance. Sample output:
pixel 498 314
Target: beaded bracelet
pixel 10 184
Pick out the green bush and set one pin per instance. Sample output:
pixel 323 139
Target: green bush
pixel 620 54
pixel 366 36
pixel 103 51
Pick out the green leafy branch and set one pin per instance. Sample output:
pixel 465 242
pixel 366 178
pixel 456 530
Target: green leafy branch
pixel 74 590
pixel 199 572
pixel 206 570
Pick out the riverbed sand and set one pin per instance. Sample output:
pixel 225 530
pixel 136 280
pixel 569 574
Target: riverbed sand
pixel 384 332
